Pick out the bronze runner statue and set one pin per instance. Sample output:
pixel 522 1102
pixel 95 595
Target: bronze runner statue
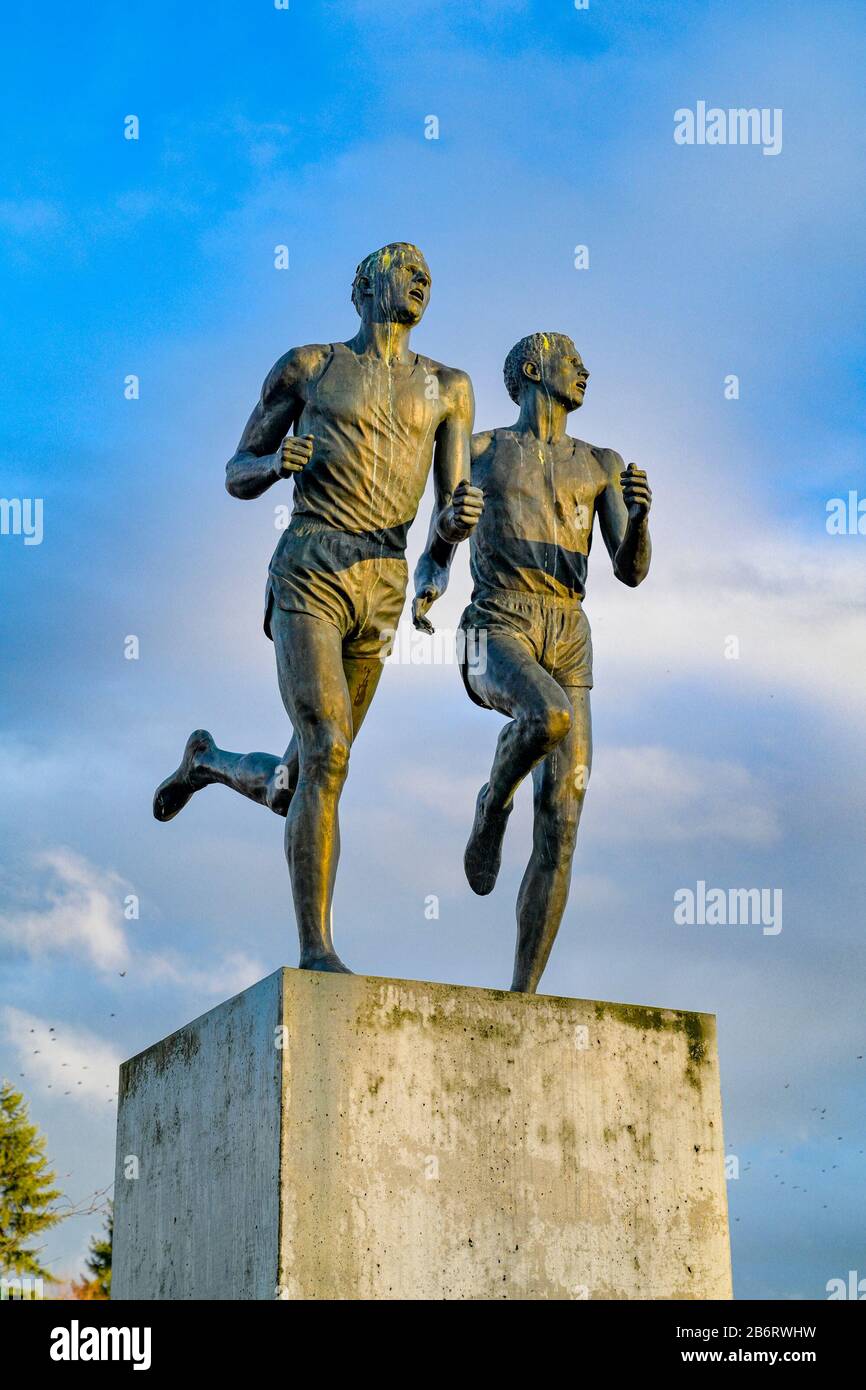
pixel 357 425
pixel 529 552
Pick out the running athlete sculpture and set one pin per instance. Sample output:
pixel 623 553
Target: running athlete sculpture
pixel 529 556
pixel 357 425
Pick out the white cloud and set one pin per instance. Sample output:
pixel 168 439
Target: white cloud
pixel 658 794
pixel 797 610
pixel 68 1060
pixel 649 791
pixel 81 913
pixel 223 979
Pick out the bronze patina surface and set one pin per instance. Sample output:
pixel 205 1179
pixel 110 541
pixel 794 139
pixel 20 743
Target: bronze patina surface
pixel 528 652
pixel 358 426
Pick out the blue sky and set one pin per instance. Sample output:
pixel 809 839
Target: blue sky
pixel 155 257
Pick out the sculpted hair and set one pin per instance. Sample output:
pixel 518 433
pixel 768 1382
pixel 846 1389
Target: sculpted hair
pixel 530 349
pixel 377 261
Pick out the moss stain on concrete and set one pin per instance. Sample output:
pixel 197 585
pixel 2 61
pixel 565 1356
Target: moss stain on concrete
pixel 159 1059
pixel 439 1019
pixel 660 1020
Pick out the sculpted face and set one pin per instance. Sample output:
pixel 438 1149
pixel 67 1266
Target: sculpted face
pixel 561 372
pixel 397 289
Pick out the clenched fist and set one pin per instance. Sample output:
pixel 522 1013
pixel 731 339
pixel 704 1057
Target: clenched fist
pixel 463 512
pixel 636 492
pixel 295 452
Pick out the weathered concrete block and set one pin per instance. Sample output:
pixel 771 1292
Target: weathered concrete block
pixel 347 1137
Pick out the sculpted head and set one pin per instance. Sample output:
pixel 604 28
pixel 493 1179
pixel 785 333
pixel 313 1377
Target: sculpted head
pixel 547 362
pixel 392 285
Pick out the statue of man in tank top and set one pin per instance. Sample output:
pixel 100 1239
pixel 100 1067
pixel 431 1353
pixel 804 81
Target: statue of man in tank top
pixel 357 425
pixel 529 553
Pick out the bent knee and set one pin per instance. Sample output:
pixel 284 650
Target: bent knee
pixel 549 726
pixel 324 755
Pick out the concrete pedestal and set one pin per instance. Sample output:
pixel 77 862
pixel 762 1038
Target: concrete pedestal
pixel 348 1137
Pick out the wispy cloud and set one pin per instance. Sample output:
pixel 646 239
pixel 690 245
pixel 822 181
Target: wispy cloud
pixel 226 977
pixel 661 795
pixel 80 912
pixel 796 609
pixel 652 792
pixel 72 1063
pixel 24 216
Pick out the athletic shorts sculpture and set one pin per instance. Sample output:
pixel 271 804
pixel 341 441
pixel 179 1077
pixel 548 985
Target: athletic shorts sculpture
pixel 358 427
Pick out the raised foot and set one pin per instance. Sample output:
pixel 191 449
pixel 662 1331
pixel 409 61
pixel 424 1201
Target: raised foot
pixel 172 795
pixel 331 964
pixel 483 854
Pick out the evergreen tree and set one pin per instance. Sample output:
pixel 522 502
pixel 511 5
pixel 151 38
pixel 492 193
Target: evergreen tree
pixel 26 1191
pixel 99 1261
